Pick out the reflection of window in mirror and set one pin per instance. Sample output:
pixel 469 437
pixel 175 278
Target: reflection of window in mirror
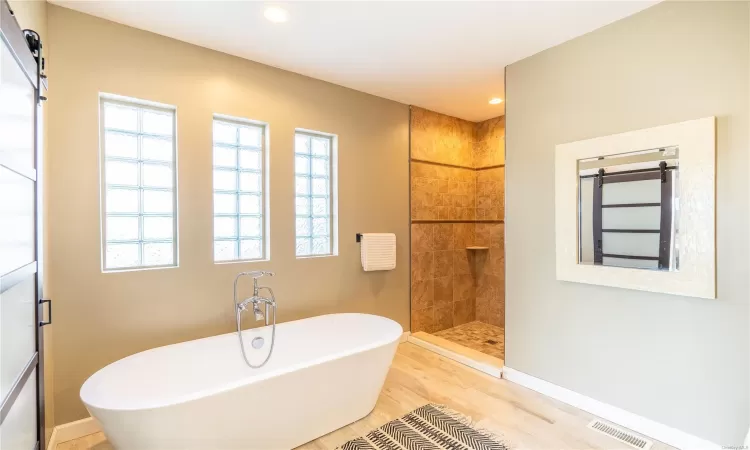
pixel 628 206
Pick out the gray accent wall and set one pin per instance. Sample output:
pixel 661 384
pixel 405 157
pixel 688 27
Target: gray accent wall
pixel 676 360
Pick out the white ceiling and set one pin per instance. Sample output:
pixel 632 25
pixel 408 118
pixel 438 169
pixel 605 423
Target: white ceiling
pixel 444 56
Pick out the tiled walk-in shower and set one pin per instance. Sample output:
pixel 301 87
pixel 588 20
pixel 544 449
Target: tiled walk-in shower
pixel 457 231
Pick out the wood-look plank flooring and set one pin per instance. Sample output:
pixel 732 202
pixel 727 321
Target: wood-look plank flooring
pixel 527 419
pixel 479 336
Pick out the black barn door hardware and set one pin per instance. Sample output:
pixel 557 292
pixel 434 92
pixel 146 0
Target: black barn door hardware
pixel 49 312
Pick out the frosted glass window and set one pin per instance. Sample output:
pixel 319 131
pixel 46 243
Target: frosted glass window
pixel 313 168
pixel 239 190
pixel 138 183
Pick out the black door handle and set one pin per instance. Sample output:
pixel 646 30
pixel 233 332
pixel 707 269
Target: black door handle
pixel 49 315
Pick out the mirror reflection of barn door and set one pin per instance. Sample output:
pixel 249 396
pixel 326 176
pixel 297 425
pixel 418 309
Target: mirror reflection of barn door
pixel 21 317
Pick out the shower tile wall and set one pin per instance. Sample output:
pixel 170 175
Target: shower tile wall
pixel 443 275
pixel 489 153
pixel 446 277
pixel 490 194
pixel 442 193
pixel 489 142
pixel 441 139
pixel 490 274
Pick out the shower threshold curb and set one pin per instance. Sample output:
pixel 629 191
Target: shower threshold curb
pixel 469 357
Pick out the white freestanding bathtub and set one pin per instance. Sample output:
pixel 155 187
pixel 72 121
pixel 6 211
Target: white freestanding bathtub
pixel 325 373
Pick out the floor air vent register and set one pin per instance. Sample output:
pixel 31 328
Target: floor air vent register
pixel 621 435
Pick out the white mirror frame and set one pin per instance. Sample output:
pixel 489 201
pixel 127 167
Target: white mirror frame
pixel 696 241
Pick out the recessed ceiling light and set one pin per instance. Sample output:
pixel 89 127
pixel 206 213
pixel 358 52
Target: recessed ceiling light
pixel 276 14
pixel 495 101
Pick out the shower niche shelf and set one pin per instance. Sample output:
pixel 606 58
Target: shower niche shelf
pixel 477 247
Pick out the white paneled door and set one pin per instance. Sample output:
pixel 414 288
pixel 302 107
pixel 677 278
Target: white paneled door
pixel 21 316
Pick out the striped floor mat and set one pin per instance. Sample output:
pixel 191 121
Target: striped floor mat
pixel 430 427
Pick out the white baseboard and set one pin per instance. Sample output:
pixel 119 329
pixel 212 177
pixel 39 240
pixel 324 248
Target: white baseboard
pixel 639 424
pixel 73 430
pixel 404 337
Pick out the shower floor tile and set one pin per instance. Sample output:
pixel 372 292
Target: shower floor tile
pixel 479 336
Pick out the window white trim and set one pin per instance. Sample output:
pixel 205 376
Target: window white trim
pixel 236 167
pixel 139 214
pixel 331 195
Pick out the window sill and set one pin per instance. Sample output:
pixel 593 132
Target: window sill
pixel 242 261
pixel 139 269
pixel 316 256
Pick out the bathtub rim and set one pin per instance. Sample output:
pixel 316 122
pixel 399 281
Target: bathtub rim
pixel 212 391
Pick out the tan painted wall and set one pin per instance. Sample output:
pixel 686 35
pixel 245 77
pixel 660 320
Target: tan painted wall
pixel 33 15
pixel 680 361
pixel 100 318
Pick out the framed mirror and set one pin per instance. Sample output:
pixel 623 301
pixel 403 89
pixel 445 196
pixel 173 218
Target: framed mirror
pixel 636 210
pixel 628 210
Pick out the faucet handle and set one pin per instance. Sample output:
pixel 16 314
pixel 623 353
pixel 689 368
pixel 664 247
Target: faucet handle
pixel 258 273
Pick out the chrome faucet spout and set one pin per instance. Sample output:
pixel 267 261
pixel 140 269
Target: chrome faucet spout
pixel 256 301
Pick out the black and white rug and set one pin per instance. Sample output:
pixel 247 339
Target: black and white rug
pixel 430 427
